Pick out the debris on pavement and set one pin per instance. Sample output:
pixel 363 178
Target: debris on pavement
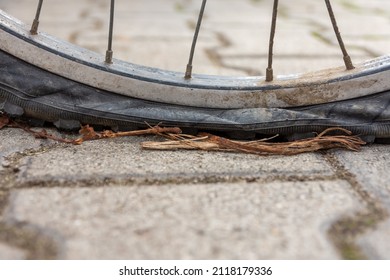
pixel 175 140
pixel 210 142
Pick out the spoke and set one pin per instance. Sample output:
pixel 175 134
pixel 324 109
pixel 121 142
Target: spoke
pixel 270 72
pixel 109 52
pixel 35 24
pixel 346 57
pixel 188 73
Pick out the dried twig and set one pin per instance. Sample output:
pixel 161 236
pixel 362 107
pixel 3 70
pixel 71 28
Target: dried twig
pixel 215 143
pixel 5 121
pixel 206 141
pixel 88 133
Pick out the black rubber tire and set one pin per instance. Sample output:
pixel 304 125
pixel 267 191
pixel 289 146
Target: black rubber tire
pixel 26 90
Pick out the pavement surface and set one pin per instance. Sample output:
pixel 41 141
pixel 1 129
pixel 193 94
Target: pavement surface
pixel 112 200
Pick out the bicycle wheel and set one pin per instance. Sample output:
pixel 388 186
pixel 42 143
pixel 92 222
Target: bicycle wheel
pixel 49 79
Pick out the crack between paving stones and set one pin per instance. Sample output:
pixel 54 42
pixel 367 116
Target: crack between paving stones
pixel 358 9
pixel 218 60
pixel 320 29
pixel 97 24
pixel 344 232
pixel 38 244
pixel 167 179
pixel 214 56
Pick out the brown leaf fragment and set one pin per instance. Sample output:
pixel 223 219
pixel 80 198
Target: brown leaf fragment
pixel 87 133
pixel 4 121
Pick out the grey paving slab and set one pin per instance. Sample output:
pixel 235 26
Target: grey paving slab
pixel 376 244
pixel 371 168
pixel 216 221
pixel 11 253
pixel 124 158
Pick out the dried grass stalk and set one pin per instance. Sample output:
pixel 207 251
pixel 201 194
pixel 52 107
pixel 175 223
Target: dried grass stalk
pixel 211 142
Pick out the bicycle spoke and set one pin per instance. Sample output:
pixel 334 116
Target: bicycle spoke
pixel 35 24
pixel 269 72
pixel 188 73
pixel 109 52
pixel 346 57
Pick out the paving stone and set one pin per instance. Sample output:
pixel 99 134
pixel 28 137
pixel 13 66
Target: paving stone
pixel 376 244
pixel 371 168
pixel 11 253
pixel 221 221
pixel 123 158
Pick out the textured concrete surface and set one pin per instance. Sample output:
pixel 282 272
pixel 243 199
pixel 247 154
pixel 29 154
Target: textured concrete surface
pixel 13 140
pixel 376 244
pixel 111 200
pixel 371 168
pixel 7 252
pixel 124 158
pixel 218 221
